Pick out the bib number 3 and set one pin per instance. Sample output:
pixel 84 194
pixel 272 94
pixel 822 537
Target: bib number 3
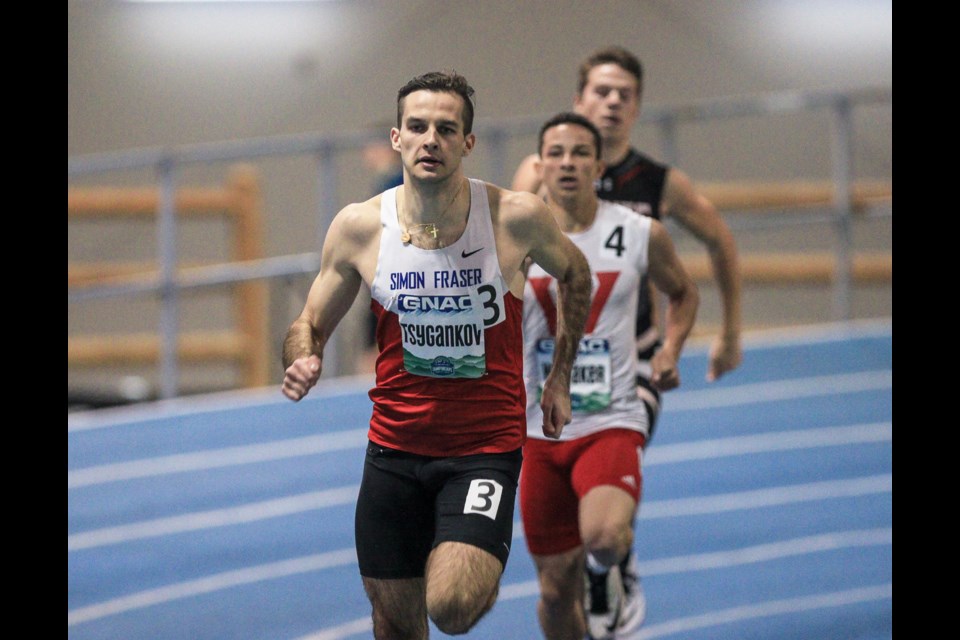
pixel 483 497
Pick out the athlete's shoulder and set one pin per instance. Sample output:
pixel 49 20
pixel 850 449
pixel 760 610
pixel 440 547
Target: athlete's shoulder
pixel 358 221
pixel 362 212
pixel 639 157
pixel 622 214
pixel 510 204
pixel 526 177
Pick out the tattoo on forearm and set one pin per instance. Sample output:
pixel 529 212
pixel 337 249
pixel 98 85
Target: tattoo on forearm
pixel 574 305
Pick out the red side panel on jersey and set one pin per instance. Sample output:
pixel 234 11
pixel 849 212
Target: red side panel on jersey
pixel 462 416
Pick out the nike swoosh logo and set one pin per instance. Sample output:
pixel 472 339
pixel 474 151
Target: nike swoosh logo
pixel 464 254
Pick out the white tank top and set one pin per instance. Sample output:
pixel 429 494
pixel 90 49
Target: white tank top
pixel 603 387
pixel 450 371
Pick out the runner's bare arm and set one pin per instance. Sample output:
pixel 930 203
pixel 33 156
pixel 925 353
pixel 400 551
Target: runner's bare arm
pixel 527 178
pixel 668 275
pixel 330 297
pixel 559 257
pixel 698 216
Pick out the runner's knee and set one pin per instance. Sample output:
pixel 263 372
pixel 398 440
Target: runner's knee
pixel 462 585
pixel 608 540
pixel 457 613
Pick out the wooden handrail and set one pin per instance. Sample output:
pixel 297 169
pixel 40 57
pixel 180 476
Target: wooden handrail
pixel 95 203
pixel 142 348
pixel 238 201
pixel 107 272
pixel 796 268
pixel 752 196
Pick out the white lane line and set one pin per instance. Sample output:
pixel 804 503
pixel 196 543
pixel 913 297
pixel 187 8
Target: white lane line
pixel 820 543
pixel 132 416
pixel 759 498
pixel 667 454
pixel 737 557
pixel 135 415
pixel 715 504
pixel 677 401
pixel 767 609
pixel 250 512
pixel 678 625
pixel 777 390
pixel 769 442
pixel 699 562
pixel 212 583
pixel 352 628
pixel 649 510
pixel 216 458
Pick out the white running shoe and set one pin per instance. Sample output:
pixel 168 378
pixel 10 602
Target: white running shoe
pixel 633 611
pixel 603 599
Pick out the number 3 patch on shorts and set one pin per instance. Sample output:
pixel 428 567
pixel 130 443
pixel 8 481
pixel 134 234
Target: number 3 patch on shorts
pixel 483 497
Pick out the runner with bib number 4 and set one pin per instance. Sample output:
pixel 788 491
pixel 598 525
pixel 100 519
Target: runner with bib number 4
pixel 579 494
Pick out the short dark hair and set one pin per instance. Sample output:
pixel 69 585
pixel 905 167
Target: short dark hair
pixel 607 55
pixel 569 117
pixel 440 81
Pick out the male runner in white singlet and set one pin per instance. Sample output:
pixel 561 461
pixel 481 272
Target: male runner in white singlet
pixel 579 495
pixel 443 256
pixel 609 90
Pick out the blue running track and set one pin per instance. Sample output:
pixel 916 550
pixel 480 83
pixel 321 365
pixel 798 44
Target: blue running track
pixel 767 508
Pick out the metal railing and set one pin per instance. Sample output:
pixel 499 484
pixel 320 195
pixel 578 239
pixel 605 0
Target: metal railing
pixel 495 133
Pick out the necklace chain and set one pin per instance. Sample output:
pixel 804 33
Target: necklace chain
pixel 429 227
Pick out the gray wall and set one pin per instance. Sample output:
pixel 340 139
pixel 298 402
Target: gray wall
pixel 166 74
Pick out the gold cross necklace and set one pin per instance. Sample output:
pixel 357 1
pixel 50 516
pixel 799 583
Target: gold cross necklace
pixel 429 227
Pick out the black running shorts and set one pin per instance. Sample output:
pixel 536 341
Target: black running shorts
pixel 408 504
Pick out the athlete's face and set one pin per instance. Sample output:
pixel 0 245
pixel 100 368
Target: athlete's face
pixel 610 101
pixel 430 139
pixel 568 161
